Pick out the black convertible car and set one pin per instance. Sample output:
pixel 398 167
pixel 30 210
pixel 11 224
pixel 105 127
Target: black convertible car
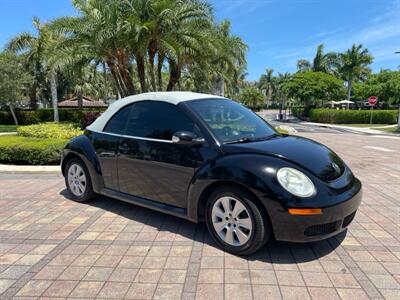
pixel 202 157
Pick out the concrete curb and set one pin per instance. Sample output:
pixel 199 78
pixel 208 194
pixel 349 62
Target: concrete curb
pixel 13 169
pixel 351 129
pixel 8 133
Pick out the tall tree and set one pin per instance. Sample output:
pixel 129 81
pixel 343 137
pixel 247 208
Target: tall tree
pixel 267 83
pixel 322 62
pixel 353 65
pixel 14 80
pixel 40 49
pixel 310 86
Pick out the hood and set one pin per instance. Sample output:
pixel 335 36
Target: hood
pixel 310 155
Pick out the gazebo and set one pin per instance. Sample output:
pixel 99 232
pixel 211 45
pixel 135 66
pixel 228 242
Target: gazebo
pixel 86 103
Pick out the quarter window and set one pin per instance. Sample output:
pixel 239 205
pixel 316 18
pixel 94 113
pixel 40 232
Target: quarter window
pixel 157 120
pixel 117 123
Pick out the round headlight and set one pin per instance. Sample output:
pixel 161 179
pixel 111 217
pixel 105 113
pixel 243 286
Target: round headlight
pixel 295 182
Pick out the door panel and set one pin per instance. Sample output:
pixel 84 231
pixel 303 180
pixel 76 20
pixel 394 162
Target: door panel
pixel 106 147
pixel 158 171
pixel 149 164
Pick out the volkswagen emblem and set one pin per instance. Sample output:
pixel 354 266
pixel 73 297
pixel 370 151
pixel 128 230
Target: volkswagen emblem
pixel 336 168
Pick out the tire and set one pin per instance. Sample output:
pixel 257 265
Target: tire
pixel 232 232
pixel 80 190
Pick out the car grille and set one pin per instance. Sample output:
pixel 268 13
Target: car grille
pixel 348 219
pixel 327 228
pixel 321 229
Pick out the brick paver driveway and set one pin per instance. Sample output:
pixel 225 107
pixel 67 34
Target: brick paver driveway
pixel 53 247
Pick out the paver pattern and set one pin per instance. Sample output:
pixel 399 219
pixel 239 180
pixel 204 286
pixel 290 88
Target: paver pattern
pixel 52 247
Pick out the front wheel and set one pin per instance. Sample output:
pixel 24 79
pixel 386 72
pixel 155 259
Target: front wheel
pixel 77 180
pixel 235 221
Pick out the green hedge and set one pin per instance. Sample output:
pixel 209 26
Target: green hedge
pixel 342 116
pixel 50 130
pixel 28 117
pixel 22 150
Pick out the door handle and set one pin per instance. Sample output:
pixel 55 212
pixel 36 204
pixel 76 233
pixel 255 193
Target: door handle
pixel 124 148
pixel 107 154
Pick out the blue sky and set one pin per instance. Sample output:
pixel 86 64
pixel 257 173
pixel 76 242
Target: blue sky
pixel 278 32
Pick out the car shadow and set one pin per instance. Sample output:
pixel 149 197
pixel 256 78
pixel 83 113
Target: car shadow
pixel 275 252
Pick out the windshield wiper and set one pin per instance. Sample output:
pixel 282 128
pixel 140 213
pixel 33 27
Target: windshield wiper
pixel 250 139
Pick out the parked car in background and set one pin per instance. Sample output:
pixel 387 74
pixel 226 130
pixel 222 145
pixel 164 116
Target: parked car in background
pixel 207 158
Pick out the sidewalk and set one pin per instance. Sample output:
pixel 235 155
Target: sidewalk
pixel 14 169
pixel 366 130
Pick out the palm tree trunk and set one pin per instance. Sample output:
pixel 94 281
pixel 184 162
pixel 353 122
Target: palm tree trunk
pixel 174 75
pixel 54 97
pixel 11 106
pixel 349 87
pixel 33 97
pixel 152 54
pixel 141 72
pixel 127 81
pixel 398 119
pixel 80 100
pixel 160 63
pixel 114 73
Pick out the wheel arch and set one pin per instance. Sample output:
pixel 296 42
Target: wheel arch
pixel 202 203
pixel 81 148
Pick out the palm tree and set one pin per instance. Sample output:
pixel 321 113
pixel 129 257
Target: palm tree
pixel 227 59
pixel 322 62
pixel 99 35
pixel 39 51
pixel 353 65
pixel 267 83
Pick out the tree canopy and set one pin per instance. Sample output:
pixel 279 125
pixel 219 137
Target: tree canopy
pixel 310 86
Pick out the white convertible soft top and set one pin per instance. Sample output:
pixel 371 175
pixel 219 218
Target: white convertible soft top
pixel 170 97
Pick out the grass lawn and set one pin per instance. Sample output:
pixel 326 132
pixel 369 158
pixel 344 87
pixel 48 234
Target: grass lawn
pixel 390 129
pixel 8 128
pixel 281 130
pixel 364 125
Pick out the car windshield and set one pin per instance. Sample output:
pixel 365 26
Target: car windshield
pixel 231 122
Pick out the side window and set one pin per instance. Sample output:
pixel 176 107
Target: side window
pixel 157 120
pixel 118 122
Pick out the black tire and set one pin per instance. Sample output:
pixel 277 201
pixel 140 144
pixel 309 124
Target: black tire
pixel 88 193
pixel 261 232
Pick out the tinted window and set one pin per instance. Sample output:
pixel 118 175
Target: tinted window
pixel 157 120
pixel 118 122
pixel 231 121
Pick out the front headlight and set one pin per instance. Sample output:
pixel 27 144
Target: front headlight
pixel 295 182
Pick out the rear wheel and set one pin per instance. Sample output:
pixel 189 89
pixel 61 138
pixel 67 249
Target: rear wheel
pixel 236 222
pixel 78 182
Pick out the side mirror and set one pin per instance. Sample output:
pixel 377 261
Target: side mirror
pixel 186 138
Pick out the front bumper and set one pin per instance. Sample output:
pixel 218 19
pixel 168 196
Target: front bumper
pixel 334 219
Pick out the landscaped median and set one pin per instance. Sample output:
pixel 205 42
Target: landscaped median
pixel 39 144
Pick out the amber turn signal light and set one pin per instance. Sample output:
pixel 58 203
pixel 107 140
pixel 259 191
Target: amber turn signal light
pixel 305 211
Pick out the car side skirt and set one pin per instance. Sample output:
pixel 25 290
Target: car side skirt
pixel 154 205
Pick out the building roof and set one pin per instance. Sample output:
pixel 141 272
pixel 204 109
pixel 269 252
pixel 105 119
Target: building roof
pixel 86 102
pixel 170 97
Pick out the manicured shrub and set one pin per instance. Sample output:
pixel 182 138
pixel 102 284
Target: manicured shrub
pixel 298 111
pixel 341 116
pixel 89 117
pixel 50 130
pixel 22 150
pixel 28 117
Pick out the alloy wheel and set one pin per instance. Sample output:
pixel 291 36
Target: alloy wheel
pixel 232 221
pixel 76 180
